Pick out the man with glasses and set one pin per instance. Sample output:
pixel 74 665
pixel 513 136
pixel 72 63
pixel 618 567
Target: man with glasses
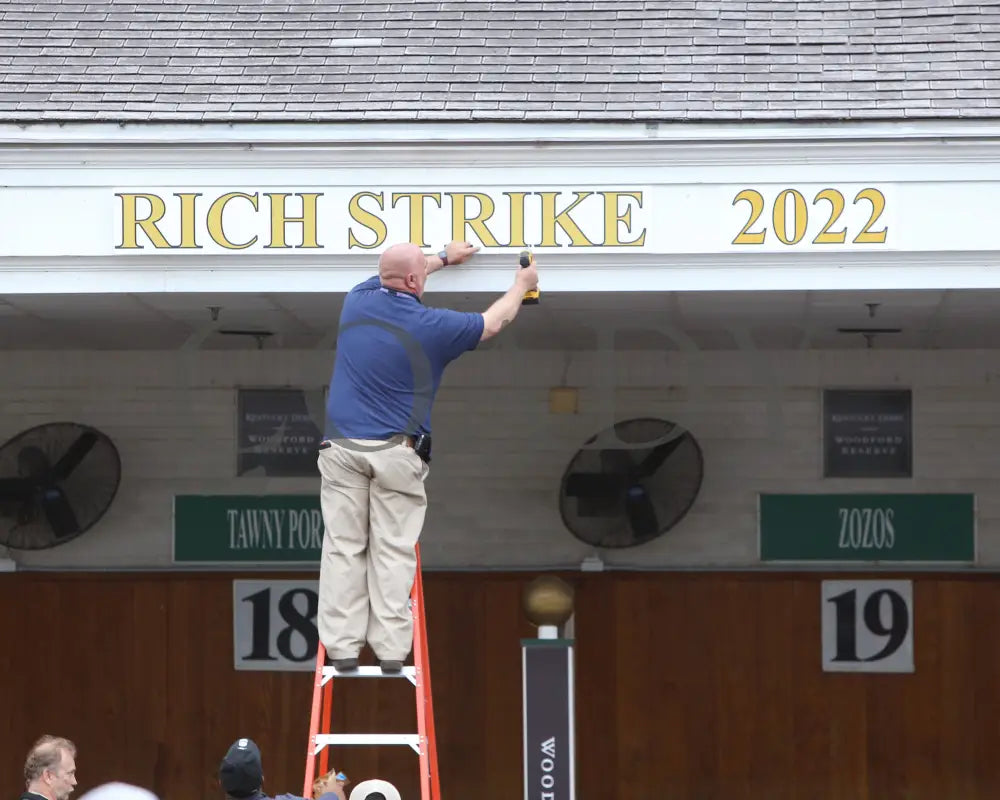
pixel 50 769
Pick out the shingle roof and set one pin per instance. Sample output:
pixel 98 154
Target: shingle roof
pixel 668 60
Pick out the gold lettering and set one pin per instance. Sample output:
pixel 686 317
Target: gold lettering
pixel 214 221
pixel 416 212
pixel 867 235
pixel 465 223
pixel 130 221
pixel 516 218
pixel 188 239
pixel 836 200
pixel 756 201
pixel 459 218
pixel 612 218
pixel 369 220
pixel 563 219
pixel 279 220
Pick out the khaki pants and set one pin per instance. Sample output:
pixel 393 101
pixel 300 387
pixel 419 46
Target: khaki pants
pixel 373 503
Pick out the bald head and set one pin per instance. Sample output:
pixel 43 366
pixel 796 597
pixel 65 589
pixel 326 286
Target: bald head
pixel 403 267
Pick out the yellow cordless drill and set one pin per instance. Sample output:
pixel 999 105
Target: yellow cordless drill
pixel 534 297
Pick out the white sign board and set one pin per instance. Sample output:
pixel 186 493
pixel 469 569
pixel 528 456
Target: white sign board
pixel 638 226
pixel 357 219
pixel 867 626
pixel 293 219
pixel 274 625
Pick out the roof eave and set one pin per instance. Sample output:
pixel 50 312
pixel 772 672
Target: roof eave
pixel 121 132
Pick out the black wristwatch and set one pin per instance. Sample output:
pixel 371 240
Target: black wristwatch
pixel 443 255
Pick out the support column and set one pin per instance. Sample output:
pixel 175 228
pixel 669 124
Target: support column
pixel 547 668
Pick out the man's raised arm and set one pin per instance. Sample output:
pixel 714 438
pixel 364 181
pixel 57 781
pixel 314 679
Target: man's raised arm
pixel 502 312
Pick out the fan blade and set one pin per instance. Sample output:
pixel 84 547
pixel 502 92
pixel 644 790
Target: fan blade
pixel 660 453
pixel 59 513
pixel 594 485
pixel 617 460
pixel 76 453
pixel 16 488
pixel 641 514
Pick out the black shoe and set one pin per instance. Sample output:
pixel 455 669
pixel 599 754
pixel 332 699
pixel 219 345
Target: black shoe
pixel 391 667
pixel 345 664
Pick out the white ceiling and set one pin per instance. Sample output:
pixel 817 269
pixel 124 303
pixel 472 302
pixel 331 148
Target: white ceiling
pixel 643 320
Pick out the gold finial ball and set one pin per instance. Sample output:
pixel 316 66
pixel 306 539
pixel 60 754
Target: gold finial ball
pixel 548 600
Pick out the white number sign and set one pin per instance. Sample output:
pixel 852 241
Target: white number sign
pixel 274 625
pixel 867 626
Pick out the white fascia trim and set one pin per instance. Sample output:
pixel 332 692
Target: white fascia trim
pixel 907 271
pixel 357 133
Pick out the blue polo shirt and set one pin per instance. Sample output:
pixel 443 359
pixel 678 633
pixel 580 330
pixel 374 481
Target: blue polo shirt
pixel 391 355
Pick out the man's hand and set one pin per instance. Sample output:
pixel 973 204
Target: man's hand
pixel 527 277
pixel 329 783
pixel 499 315
pixel 458 252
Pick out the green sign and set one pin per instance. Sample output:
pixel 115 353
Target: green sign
pixel 868 527
pixel 228 529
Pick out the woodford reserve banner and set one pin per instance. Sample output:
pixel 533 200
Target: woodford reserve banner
pixel 657 219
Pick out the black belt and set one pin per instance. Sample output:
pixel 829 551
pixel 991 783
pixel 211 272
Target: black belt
pixel 421 443
pixel 405 438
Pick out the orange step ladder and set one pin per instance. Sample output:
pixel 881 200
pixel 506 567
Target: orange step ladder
pixel 423 742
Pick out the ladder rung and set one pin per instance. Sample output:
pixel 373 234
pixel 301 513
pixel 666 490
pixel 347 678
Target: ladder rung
pixel 410 673
pixel 411 739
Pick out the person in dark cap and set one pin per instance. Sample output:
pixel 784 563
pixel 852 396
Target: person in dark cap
pixel 242 776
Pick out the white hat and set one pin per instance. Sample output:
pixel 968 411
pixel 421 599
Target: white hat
pixel 118 791
pixel 366 788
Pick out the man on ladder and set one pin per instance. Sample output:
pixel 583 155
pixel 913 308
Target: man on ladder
pixel 391 354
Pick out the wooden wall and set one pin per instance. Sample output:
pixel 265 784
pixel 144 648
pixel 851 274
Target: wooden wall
pixel 690 687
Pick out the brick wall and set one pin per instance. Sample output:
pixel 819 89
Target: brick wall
pixel 499 454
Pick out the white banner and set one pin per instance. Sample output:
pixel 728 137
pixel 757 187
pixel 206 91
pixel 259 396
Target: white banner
pixel 649 219
pixel 658 219
pixel 598 226
pixel 867 626
pixel 274 625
